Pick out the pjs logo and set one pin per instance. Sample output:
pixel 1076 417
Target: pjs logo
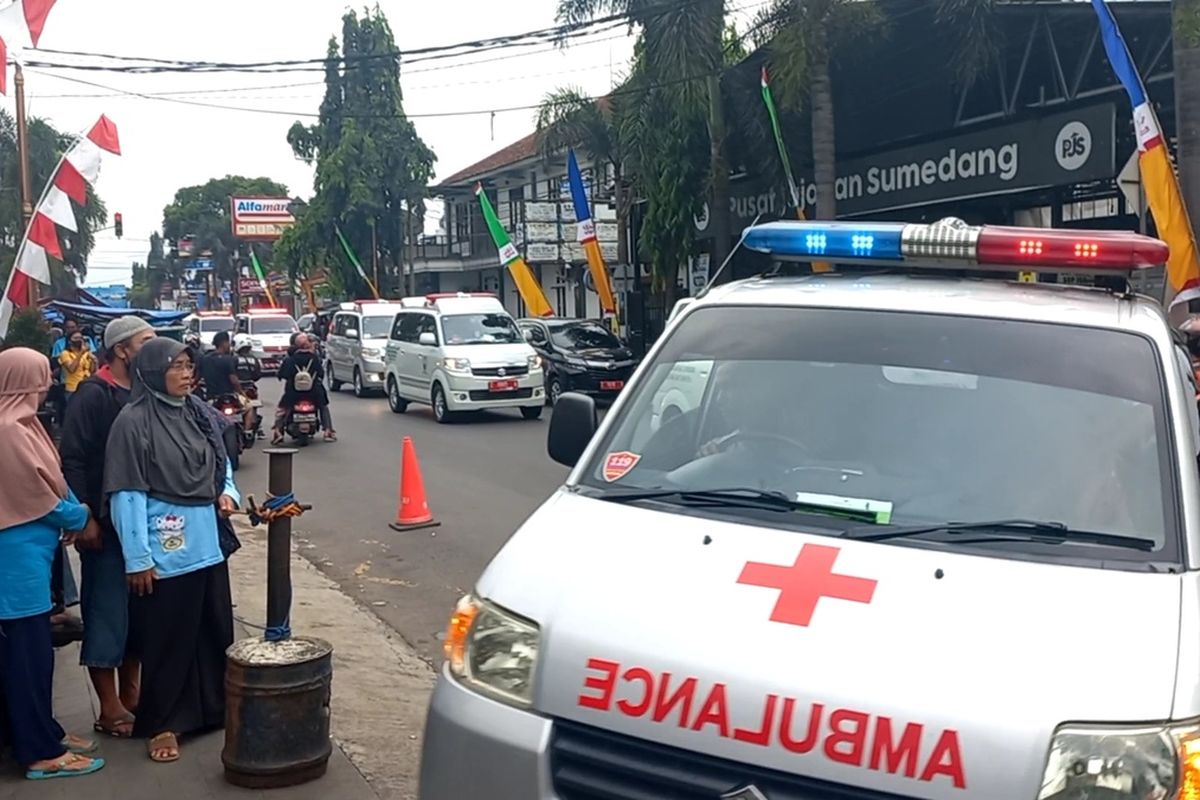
pixel 170 532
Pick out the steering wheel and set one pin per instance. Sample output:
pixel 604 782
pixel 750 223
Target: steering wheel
pixel 763 436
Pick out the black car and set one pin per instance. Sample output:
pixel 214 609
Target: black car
pixel 581 355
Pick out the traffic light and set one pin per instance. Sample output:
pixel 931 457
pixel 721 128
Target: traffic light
pixel 118 226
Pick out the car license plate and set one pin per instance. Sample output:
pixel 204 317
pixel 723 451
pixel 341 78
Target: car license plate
pixel 256 403
pixel 612 386
pixel 502 386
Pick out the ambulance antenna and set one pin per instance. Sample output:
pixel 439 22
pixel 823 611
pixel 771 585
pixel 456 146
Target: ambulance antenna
pixel 728 258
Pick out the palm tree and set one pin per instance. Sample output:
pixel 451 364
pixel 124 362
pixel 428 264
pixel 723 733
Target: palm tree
pixel 680 54
pixel 568 118
pixel 803 37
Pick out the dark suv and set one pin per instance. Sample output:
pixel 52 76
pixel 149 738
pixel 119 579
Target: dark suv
pixel 581 355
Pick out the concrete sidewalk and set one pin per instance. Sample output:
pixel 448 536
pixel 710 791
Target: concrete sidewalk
pixel 380 690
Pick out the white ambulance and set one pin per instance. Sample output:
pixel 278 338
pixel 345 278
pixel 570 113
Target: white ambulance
pixel 923 536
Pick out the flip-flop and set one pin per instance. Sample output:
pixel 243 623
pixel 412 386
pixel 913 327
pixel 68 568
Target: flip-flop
pixel 84 748
pixel 62 771
pixel 112 728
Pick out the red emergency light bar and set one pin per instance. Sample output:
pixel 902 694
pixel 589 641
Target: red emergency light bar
pixel 1101 251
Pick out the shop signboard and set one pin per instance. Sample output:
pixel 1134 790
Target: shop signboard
pixel 1060 149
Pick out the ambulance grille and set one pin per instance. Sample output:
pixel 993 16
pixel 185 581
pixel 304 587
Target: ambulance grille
pixel 591 764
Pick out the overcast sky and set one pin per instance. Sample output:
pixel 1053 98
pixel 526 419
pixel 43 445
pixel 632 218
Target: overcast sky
pixel 168 144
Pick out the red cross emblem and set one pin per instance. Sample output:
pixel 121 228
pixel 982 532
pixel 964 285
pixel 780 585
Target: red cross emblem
pixel 805 582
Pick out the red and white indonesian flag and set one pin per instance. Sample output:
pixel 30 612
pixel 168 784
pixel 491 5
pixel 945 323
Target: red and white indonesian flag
pixel 21 25
pixel 78 167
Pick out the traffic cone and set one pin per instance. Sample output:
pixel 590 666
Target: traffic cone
pixel 414 510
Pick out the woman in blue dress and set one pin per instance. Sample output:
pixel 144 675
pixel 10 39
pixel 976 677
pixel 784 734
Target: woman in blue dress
pixel 168 479
pixel 37 513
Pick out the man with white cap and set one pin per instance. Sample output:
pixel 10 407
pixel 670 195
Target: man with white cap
pixel 104 595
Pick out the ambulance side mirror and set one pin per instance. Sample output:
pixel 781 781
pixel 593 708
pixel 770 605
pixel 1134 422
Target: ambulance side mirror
pixel 571 428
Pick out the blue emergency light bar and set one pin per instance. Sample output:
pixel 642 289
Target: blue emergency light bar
pixel 952 244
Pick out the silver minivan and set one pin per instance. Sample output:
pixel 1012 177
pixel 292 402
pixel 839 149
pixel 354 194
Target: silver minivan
pixel 356 345
pixel 917 537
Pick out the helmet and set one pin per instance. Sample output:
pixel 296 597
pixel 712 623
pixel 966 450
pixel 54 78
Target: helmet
pixel 241 342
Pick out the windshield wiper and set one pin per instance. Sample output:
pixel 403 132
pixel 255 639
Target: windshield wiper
pixel 1010 529
pixel 737 498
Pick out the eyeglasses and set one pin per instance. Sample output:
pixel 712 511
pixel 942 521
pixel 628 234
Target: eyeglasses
pixel 183 367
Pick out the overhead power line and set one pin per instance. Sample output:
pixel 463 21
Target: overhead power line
pixel 557 35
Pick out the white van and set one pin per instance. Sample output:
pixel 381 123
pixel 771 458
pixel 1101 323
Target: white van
pixel 461 352
pixel 270 332
pixel 205 325
pixel 355 349
pixel 920 537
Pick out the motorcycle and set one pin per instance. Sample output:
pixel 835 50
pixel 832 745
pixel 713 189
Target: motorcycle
pixel 303 422
pixel 235 435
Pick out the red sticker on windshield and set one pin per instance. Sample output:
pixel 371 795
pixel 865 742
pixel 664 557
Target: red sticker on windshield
pixel 617 465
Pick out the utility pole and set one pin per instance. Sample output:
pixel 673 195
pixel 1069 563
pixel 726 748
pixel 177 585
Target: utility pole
pixel 410 277
pixel 23 167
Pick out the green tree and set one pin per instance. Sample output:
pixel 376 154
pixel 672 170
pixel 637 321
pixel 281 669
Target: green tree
pixel 671 108
pixel 805 36
pixel 203 212
pixel 46 146
pixel 27 328
pixel 372 169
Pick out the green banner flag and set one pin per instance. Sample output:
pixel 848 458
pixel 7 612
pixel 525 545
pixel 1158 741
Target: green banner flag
pixel 783 154
pixel 262 277
pixel 354 260
pixel 527 285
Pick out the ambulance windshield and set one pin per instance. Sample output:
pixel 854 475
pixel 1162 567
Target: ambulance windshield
pixel 940 418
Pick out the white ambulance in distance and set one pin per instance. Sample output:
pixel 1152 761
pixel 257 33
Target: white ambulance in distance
pixel 270 332
pixel 923 536
pixel 461 352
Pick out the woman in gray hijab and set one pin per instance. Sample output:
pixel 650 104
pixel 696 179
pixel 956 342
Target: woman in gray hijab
pixel 170 485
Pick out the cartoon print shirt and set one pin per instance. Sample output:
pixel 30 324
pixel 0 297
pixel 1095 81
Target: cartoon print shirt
pixel 173 539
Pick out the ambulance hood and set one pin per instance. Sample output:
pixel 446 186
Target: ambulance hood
pixel 941 673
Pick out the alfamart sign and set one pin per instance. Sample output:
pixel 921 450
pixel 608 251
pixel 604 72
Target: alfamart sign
pixel 1055 150
pixel 260 218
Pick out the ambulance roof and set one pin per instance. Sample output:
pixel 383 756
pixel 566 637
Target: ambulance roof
pixel 1037 302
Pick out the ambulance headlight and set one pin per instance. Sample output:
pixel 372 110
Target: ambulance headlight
pixel 1147 763
pixel 492 651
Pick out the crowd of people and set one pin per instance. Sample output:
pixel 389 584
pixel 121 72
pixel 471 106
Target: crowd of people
pixel 141 485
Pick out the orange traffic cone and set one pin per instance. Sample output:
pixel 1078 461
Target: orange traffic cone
pixel 414 510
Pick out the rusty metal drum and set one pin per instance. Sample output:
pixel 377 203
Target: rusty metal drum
pixel 277 712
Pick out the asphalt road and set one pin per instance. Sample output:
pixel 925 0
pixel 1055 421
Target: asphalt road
pixel 483 478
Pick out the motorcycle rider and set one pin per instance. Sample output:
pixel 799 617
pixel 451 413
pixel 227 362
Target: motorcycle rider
pixel 303 359
pixel 218 371
pixel 249 373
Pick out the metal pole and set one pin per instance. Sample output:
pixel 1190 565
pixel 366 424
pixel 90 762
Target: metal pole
pixel 23 166
pixel 279 542
pixel 410 276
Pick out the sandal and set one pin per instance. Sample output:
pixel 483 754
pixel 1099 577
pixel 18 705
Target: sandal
pixel 330 436
pixel 117 728
pixel 70 765
pixel 163 745
pixel 79 745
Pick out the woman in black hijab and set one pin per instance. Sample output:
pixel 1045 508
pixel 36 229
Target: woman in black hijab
pixel 170 488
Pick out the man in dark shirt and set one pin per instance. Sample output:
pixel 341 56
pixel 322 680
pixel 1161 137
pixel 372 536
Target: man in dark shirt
pixel 218 368
pixel 104 596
